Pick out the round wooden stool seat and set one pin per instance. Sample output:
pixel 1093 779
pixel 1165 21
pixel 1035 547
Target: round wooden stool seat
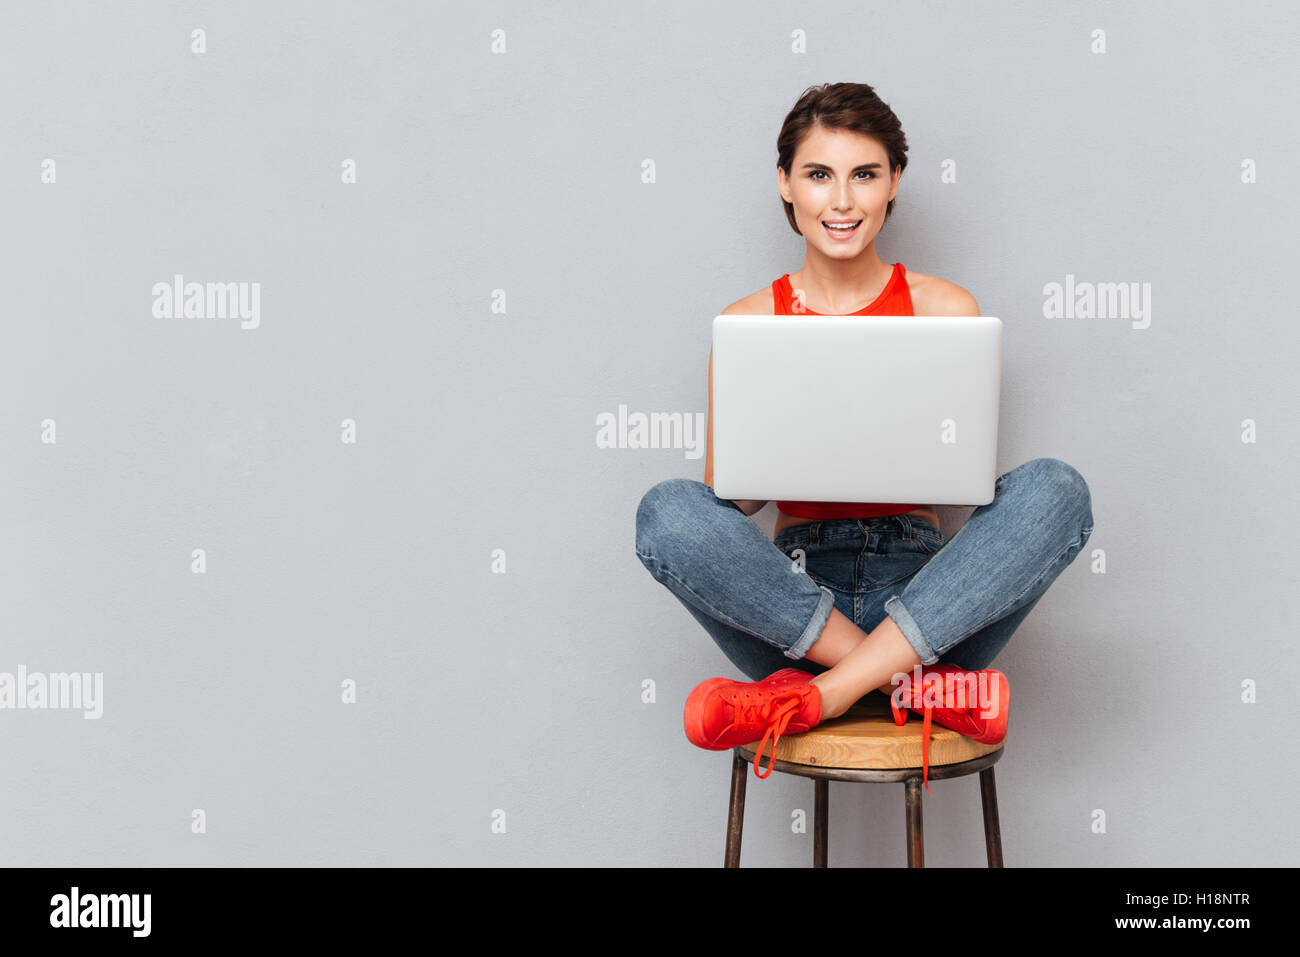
pixel 866 738
pixel 864 744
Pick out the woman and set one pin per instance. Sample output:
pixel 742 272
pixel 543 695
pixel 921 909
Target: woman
pixel 884 597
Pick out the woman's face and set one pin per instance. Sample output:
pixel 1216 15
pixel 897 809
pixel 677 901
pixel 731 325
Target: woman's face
pixel 839 175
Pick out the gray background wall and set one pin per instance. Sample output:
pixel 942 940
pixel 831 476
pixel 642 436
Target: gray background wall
pixel 522 171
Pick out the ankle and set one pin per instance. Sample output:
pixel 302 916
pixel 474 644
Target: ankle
pixel 833 703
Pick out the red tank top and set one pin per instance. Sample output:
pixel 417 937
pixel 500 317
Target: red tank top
pixel 894 300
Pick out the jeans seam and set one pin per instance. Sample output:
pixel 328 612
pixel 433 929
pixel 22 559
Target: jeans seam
pixel 721 616
pixel 929 542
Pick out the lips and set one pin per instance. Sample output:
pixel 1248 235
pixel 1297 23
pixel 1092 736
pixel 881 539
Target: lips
pixel 841 233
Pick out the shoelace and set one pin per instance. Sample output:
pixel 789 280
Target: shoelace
pixel 900 718
pixel 927 709
pixel 773 714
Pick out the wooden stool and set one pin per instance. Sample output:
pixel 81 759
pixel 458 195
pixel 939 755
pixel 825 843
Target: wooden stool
pixel 864 744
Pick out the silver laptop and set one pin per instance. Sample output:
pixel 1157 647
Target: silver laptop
pixel 856 408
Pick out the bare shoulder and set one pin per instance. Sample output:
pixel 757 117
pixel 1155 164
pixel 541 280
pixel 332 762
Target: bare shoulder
pixel 932 296
pixel 758 303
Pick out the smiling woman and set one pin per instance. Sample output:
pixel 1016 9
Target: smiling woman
pixel 841 153
pixel 881 596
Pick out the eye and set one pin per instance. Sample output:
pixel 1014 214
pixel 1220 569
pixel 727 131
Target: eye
pixel 821 172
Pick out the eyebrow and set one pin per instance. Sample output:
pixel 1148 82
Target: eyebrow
pixel 829 170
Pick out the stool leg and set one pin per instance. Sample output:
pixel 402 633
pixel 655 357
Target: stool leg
pixel 915 851
pixel 992 830
pixel 736 810
pixel 821 795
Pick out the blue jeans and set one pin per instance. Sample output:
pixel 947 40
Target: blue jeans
pixel 766 602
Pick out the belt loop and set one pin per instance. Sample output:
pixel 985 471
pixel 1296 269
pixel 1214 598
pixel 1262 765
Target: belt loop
pixel 815 533
pixel 905 521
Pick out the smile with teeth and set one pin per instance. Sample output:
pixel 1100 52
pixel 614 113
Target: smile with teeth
pixel 842 229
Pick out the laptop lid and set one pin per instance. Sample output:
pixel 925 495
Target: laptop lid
pixel 856 408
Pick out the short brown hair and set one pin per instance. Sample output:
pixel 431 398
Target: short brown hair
pixel 841 106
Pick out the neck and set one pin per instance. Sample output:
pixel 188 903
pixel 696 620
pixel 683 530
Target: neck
pixel 845 285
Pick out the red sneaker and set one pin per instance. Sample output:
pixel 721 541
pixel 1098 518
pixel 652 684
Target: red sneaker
pixel 787 676
pixel 721 713
pixel 973 703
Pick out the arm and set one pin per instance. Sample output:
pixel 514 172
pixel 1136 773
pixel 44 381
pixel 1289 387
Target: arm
pixel 748 506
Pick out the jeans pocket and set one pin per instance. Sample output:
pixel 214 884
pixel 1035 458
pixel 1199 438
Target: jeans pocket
pixel 788 541
pixel 931 539
pixel 832 564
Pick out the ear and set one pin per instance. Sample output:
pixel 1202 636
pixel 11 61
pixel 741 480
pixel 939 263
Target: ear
pixel 783 185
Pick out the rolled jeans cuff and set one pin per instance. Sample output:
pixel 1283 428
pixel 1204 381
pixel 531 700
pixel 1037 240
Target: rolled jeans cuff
pixel 911 631
pixel 814 630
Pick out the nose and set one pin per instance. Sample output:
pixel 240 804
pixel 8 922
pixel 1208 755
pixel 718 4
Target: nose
pixel 843 197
